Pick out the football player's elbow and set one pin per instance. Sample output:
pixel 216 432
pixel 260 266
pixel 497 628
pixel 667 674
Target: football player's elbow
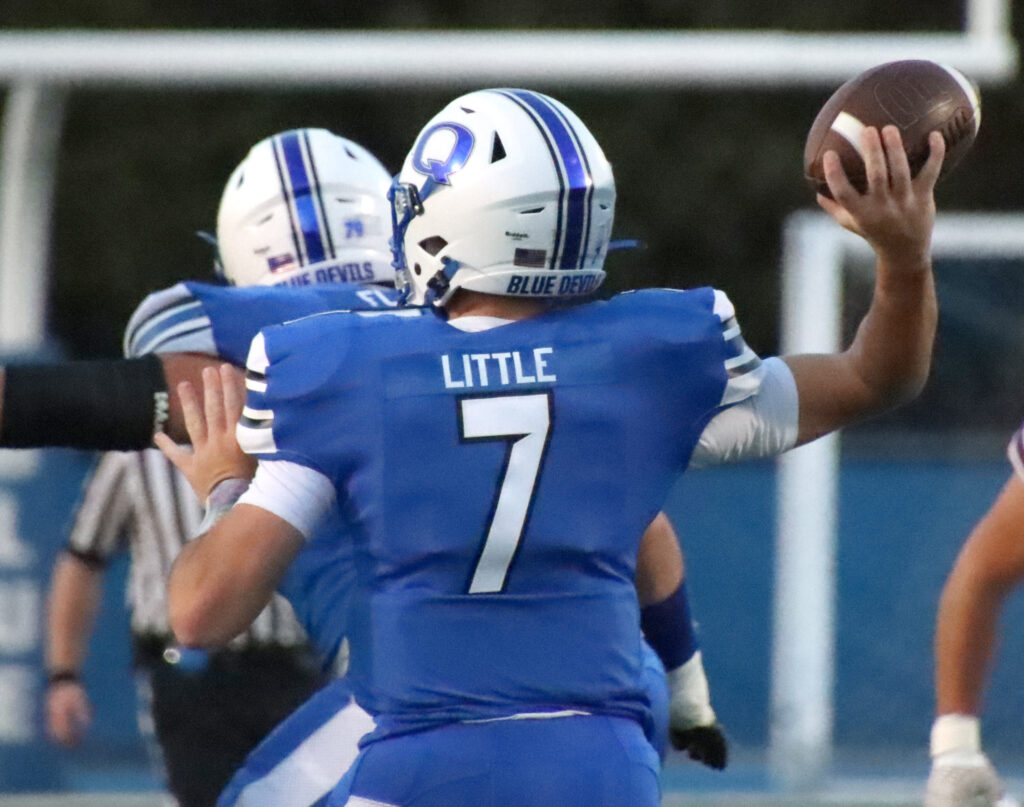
pixel 882 393
pixel 193 624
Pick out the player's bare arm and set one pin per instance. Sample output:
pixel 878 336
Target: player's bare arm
pixel 669 629
pixel 224 578
pixel 659 566
pixel 889 359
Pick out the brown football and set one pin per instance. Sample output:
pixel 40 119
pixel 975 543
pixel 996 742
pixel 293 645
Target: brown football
pixel 916 95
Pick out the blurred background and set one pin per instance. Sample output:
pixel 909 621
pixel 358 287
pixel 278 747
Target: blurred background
pixel 707 178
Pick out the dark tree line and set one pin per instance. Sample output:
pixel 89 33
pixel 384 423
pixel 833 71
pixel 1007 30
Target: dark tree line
pixel 705 178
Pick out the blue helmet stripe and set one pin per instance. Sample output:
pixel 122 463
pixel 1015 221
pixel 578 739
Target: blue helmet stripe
pixel 287 199
pixel 558 172
pixel 302 196
pixel 319 193
pixel 577 172
pixel 588 204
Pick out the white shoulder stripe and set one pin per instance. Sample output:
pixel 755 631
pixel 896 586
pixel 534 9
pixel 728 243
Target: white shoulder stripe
pixel 255 440
pixel 746 356
pixel 257 360
pixel 163 341
pixel 257 414
pixel 741 387
pixel 723 309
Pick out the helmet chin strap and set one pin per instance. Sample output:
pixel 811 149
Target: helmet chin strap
pixel 438 285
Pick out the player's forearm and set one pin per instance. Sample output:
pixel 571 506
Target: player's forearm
pixel 223 579
pixel 886 365
pixel 103 404
pixel 73 602
pixel 892 350
pixel 659 567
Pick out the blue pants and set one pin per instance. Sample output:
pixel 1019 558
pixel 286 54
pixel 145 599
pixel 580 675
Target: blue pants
pixel 302 759
pixel 656 688
pixel 584 761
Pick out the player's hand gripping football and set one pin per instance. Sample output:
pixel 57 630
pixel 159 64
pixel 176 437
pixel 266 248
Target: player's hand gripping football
pixel 964 779
pixel 214 455
pixel 896 214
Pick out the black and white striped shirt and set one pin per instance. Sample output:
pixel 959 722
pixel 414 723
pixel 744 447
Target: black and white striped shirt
pixel 138 500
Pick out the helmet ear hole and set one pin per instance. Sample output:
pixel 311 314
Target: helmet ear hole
pixel 416 269
pixel 497 149
pixel 433 245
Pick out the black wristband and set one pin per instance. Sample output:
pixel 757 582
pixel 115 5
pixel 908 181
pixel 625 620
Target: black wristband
pixel 62 677
pixel 115 404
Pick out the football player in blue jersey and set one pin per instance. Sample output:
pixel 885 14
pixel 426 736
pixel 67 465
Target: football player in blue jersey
pixel 303 227
pixel 497 464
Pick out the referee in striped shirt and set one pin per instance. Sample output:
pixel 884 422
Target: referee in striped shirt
pixel 206 710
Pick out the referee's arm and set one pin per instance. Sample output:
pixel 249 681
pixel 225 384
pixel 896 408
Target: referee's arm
pixel 75 596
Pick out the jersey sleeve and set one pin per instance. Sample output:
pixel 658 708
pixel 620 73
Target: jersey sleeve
pixel 282 405
pixel 762 425
pixel 288 483
pixel 170 321
pixel 255 430
pixel 299 495
pixel 743 367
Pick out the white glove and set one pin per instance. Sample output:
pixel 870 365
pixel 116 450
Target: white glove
pixel 961 774
pixel 689 696
pixel 693 726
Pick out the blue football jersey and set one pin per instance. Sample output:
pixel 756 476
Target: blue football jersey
pixel 222 320
pixel 498 484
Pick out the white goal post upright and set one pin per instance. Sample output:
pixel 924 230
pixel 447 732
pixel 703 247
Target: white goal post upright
pixel 815 250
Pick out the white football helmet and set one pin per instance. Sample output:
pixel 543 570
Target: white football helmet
pixel 306 206
pixel 504 192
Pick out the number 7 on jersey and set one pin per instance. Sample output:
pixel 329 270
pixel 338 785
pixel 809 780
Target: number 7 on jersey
pixel 524 421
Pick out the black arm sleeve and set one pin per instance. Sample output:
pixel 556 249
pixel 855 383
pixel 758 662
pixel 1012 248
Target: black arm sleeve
pixel 115 404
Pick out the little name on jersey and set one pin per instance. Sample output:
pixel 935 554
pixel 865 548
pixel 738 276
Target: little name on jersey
pixel 465 370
